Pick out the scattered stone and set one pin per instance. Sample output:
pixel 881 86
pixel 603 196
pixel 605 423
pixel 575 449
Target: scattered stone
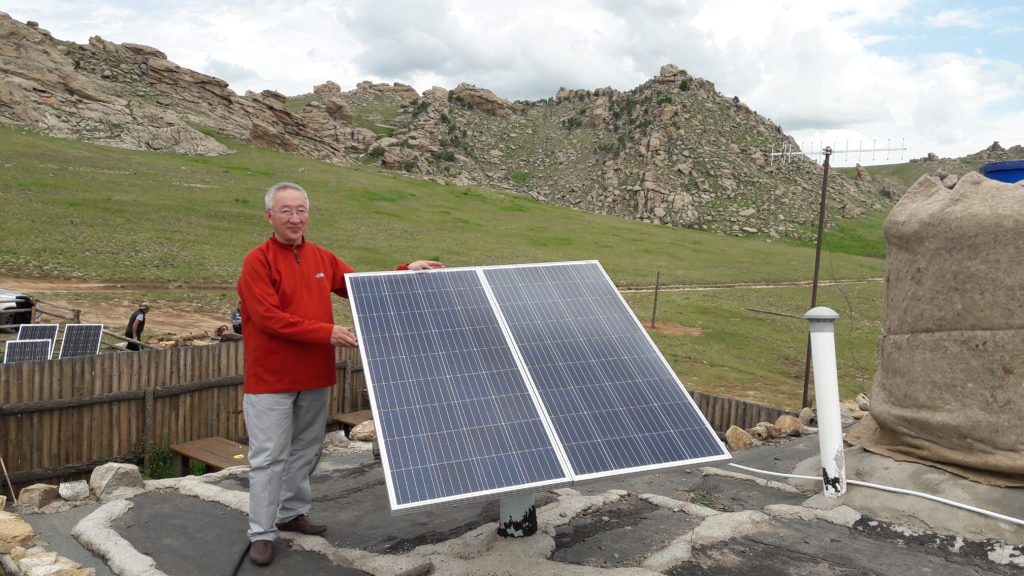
pixel 51 564
pixel 74 491
pixel 863 402
pixel 336 439
pixel 788 425
pixel 762 431
pixel 737 438
pixel 17 553
pixel 37 496
pixel 808 416
pixel 847 408
pixel 363 432
pixel 110 476
pixel 15 532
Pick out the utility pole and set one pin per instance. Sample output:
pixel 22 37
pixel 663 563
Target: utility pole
pixel 817 263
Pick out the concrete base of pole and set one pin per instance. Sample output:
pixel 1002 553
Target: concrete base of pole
pixel 518 516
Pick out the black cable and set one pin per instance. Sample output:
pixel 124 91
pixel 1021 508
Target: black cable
pixel 241 559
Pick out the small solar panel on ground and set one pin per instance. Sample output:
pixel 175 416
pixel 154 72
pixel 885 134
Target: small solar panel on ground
pixel 500 379
pixel 39 332
pixel 81 340
pixel 26 351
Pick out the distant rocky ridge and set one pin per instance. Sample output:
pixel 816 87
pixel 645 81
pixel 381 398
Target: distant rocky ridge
pixel 672 151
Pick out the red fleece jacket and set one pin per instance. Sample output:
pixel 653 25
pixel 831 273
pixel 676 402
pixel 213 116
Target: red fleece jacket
pixel 286 311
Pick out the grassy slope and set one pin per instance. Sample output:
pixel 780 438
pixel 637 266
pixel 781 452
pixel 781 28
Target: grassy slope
pixel 74 209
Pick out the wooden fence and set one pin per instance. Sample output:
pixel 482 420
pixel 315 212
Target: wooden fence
pixel 61 418
pixel 723 412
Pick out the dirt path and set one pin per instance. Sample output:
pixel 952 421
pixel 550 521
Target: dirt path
pixel 114 313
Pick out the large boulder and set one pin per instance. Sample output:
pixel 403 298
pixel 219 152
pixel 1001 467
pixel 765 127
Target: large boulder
pixel 483 99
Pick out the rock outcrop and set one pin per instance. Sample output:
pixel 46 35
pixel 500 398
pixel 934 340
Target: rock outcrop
pixel 673 151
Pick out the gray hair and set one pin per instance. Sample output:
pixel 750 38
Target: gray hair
pixel 268 200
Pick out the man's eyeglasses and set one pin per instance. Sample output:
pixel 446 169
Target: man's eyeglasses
pixel 301 213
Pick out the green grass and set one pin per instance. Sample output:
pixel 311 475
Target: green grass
pixel 860 236
pixel 72 209
pixel 744 352
pixel 376 118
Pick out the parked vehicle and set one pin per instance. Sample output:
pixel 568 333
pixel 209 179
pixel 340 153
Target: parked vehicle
pixel 15 309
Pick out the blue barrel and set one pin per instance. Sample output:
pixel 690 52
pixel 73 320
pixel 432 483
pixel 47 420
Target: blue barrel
pixel 1011 171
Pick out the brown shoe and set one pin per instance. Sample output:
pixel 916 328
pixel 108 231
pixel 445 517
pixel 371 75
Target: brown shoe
pixel 302 524
pixel 261 552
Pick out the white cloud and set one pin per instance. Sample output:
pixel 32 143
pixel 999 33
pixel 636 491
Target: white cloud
pixel 959 17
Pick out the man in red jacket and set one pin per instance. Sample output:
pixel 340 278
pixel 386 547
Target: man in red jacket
pixel 290 336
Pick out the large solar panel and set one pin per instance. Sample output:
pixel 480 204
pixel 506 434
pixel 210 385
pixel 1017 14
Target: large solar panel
pixel 26 350
pixel 502 379
pixel 81 340
pixel 39 332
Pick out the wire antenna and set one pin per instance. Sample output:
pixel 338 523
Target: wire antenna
pixel 786 152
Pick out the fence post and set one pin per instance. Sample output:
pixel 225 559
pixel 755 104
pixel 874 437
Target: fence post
pixel 826 394
pixel 148 427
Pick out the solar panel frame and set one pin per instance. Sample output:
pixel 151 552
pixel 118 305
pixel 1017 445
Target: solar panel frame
pixel 517 336
pixel 40 332
pixel 29 350
pixel 81 340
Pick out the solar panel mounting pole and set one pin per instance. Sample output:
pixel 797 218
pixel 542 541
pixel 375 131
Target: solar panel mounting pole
pixel 518 516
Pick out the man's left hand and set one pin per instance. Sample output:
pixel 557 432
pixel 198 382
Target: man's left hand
pixel 425 265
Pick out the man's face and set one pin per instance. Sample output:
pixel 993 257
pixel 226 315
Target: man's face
pixel 289 216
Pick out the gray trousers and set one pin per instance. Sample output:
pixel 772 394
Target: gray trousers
pixel 286 435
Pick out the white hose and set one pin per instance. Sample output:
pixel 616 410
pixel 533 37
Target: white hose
pixel 989 513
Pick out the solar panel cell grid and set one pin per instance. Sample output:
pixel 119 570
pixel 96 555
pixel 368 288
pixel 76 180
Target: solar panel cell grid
pixel 493 379
pixel 81 340
pixel 26 350
pixel 39 332
pixel 612 398
pixel 445 387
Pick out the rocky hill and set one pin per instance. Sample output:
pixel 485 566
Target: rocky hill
pixel 672 151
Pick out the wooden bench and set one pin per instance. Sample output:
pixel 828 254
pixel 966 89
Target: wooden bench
pixel 215 453
pixel 349 420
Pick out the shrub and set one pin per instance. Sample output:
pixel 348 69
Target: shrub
pixel 160 460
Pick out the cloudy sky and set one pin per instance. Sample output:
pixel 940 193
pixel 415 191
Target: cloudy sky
pixel 938 76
